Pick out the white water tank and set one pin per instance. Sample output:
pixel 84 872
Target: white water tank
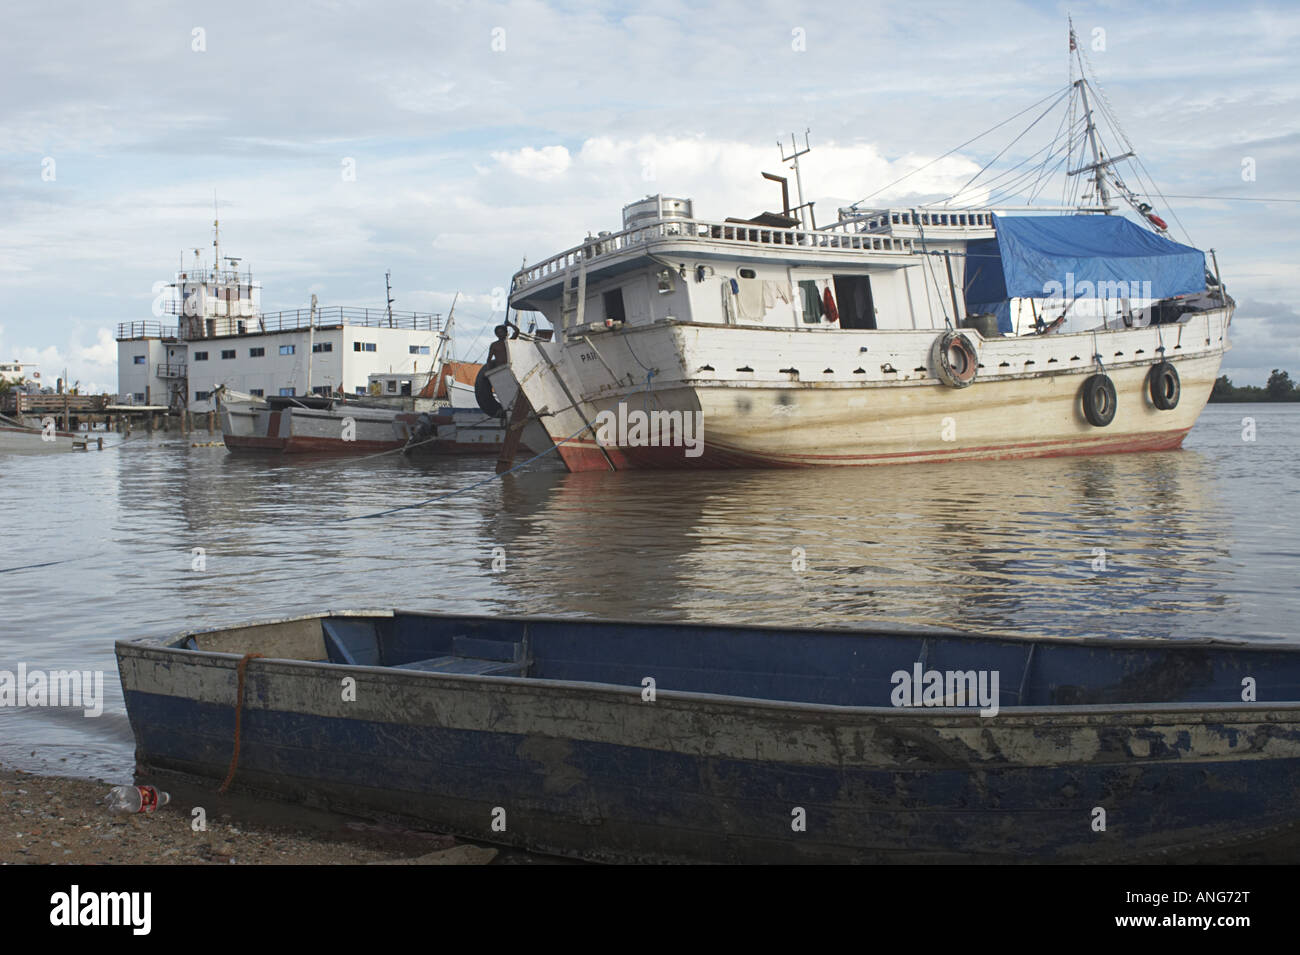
pixel 654 208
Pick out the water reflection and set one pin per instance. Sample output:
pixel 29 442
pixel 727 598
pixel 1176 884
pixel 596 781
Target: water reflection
pixel 1195 543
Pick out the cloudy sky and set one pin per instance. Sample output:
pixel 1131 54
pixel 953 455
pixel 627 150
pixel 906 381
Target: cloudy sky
pixel 481 134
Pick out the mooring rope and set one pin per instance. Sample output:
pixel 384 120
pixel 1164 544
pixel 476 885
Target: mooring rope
pixel 242 671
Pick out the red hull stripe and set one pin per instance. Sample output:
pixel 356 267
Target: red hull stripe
pixel 587 456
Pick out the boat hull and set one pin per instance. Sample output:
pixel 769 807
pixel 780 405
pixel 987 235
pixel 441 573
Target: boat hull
pixel 34 441
pixel 259 428
pixel 1026 402
pixel 602 772
pixel 355 431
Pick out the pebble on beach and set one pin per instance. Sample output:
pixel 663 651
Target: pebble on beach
pixel 50 819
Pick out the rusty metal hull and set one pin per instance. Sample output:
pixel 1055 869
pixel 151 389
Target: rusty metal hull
pixel 599 771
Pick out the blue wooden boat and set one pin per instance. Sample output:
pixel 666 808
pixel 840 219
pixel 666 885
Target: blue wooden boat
pixel 751 744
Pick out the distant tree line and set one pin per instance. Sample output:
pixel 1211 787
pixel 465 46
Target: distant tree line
pixel 1280 387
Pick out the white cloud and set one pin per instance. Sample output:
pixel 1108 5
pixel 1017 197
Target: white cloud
pixel 545 164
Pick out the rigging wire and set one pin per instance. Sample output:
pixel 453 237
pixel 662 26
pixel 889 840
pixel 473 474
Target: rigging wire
pixel 1050 106
pixel 1012 176
pixel 1054 93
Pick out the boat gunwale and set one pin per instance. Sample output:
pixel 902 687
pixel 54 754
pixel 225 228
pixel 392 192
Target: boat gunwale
pixel 165 647
pixel 908 630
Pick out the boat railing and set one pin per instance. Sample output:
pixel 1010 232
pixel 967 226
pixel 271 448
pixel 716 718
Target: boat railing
pixel 830 239
pixel 287 320
pixel 885 220
pixel 127 331
pixel 296 318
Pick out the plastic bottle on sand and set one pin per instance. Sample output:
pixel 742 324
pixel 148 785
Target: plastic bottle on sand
pixel 129 800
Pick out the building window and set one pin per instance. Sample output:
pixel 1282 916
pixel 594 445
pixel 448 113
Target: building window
pixel 139 396
pixel 286 349
pixel 228 353
pixel 323 390
pixel 288 392
pixel 202 395
pixel 419 349
pixel 200 356
pixel 363 346
pixel 256 392
pixel 140 359
pixel 323 346
pixel 256 352
pixel 614 306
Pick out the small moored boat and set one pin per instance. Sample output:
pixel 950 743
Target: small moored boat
pixel 624 741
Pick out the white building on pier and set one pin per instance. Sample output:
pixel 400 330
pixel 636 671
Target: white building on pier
pixel 222 337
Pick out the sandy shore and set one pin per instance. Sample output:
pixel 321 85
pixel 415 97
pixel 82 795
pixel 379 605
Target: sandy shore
pixel 54 819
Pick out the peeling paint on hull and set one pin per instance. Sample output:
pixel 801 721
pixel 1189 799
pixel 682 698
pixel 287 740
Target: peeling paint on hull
pixel 594 771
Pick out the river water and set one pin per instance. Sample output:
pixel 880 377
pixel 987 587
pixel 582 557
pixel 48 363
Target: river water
pixel 1192 543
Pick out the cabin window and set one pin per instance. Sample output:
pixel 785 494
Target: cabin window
pixel 256 352
pixel 665 281
pixel 202 395
pixel 361 389
pixel 256 392
pixel 323 390
pixel 811 297
pixel 853 299
pixel 322 346
pixel 748 274
pixel 418 349
pixel 139 396
pixel 363 346
pixel 200 356
pixel 406 387
pixel 286 349
pixel 392 387
pixel 227 353
pixel 288 392
pixel 614 306
pixel 139 360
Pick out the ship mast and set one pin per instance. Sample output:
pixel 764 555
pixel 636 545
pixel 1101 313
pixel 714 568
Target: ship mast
pixel 1099 163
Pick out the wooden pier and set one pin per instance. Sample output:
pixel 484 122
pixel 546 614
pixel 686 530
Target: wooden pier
pixel 73 412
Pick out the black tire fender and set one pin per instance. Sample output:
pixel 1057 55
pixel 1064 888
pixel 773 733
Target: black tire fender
pixel 1099 400
pixel 1165 387
pixel 486 398
pixel 954 358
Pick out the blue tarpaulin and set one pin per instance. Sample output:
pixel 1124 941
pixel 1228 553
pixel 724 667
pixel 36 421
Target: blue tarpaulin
pixel 1080 256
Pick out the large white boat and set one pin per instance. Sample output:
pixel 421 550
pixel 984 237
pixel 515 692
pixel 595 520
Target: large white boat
pixel 939 333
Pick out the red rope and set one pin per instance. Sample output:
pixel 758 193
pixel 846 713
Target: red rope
pixel 242 670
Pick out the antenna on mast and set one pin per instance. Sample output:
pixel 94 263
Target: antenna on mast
pixel 216 235
pixel 388 294
pixel 793 158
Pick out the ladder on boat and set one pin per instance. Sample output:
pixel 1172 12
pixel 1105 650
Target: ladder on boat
pixel 574 301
